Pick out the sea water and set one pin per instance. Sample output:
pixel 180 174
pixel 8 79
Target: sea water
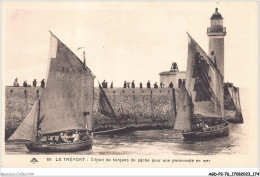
pixel 157 142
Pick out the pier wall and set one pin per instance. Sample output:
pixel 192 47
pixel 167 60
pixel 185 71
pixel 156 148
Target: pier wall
pixel 137 108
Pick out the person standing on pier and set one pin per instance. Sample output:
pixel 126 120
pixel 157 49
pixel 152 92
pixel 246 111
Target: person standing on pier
pixel 16 84
pixel 148 84
pixel 34 82
pixel 161 85
pixel 155 85
pixel 133 84
pixel 42 84
pixel 141 85
pixel 171 85
pixel 25 84
pixel 125 84
pixel 104 84
pixel 111 85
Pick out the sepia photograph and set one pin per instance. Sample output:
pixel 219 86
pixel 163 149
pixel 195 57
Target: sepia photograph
pixel 130 84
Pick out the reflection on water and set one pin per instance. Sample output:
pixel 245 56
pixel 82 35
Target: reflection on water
pixel 157 142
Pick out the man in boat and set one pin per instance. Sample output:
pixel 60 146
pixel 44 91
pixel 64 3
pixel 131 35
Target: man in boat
pixel 54 140
pixel 63 138
pixel 205 126
pixel 48 140
pixel 39 135
pixel 199 127
pixel 75 136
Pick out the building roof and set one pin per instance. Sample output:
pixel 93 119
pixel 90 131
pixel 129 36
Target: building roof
pixel 216 15
pixel 171 72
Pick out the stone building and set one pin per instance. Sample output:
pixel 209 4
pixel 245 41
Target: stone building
pixel 174 75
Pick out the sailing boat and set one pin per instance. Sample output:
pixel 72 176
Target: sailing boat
pixel 232 107
pixel 201 100
pixel 106 109
pixel 65 106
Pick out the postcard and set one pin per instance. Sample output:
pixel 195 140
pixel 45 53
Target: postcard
pixel 129 84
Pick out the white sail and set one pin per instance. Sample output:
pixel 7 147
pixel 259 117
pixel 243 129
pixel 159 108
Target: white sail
pixel 67 101
pixel 185 110
pixel 28 128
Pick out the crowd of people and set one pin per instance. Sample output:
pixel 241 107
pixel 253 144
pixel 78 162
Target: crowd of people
pixel 204 125
pixel 228 84
pixel 201 126
pixel 63 137
pixel 132 84
pixel 104 84
pixel 25 84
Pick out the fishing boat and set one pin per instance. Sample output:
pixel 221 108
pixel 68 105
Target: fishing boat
pixel 201 99
pixel 63 147
pixel 65 106
pixel 111 131
pixel 106 109
pixel 232 107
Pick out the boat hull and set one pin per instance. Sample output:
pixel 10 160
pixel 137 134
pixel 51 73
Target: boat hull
pixel 111 131
pixel 235 120
pixel 210 133
pixel 62 147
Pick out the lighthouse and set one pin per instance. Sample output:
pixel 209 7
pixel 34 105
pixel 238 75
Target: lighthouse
pixel 216 33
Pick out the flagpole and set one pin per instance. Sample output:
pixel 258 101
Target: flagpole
pixel 84 56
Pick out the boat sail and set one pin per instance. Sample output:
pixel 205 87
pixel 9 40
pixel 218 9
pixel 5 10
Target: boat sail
pixel 204 89
pixel 232 107
pixel 185 110
pixel 28 128
pixel 106 109
pixel 66 103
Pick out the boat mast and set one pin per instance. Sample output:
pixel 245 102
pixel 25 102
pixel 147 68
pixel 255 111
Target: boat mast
pixel 84 56
pixel 84 66
pixel 84 61
pixel 191 109
pixel 38 117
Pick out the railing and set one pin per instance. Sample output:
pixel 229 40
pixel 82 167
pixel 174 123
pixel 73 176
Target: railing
pixel 216 30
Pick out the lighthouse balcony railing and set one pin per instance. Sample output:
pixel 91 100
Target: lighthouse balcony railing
pixel 216 30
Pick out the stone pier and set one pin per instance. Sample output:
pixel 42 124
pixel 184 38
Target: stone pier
pixel 136 108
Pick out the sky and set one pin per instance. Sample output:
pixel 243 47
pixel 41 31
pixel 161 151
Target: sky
pixel 125 40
